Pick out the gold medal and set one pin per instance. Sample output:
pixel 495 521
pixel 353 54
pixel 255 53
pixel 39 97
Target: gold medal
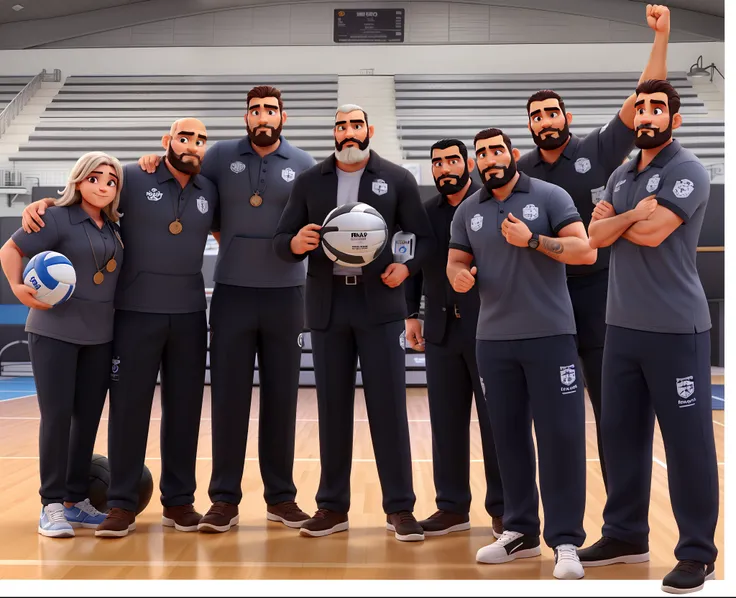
pixel 175 227
pixel 256 200
pixel 111 265
pixel 98 277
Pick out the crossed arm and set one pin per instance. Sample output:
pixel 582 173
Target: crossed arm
pixel 648 224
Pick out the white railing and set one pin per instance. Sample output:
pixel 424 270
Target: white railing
pixel 24 95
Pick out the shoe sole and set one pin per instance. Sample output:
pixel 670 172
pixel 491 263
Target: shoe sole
pixel 460 527
pixel 672 590
pixel 521 554
pixel 629 559
pixel 84 525
pixel 208 528
pixel 286 522
pixel 340 527
pixel 166 522
pixel 407 537
pixel 113 533
pixel 56 533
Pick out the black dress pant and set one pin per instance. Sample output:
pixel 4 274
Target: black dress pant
pixel 667 375
pixel 71 384
pixel 143 343
pixel 246 322
pixel 452 380
pixel 383 368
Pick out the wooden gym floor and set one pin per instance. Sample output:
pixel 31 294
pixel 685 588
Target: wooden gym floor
pixel 258 549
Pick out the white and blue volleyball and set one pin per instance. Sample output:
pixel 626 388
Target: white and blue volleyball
pixel 354 234
pixel 52 275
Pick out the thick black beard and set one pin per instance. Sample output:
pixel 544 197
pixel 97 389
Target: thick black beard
pixel 457 184
pixel 653 141
pixel 362 145
pixel 264 139
pixel 552 143
pixel 509 172
pixel 180 165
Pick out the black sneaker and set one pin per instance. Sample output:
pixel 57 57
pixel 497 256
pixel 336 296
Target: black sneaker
pixel 509 547
pixel 688 576
pixel 405 527
pixel 445 522
pixel 609 551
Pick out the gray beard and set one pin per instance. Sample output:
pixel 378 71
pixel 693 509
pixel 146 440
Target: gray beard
pixel 352 155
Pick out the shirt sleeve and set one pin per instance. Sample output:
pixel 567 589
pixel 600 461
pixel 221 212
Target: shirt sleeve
pixel 561 209
pixel 615 142
pixel 684 189
pixel 459 231
pixel 44 240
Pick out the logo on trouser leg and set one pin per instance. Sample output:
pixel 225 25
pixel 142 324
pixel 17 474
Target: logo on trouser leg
pixel 115 371
pixel 568 377
pixel 483 387
pixel 686 389
pixel 402 339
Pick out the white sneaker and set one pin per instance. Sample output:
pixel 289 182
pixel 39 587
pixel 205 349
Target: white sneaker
pixel 52 522
pixel 509 547
pixel 567 563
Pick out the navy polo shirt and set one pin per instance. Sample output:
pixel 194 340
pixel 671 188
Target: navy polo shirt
pixel 523 293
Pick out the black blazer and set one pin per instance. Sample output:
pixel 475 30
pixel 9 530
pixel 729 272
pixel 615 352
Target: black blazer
pixel 314 195
pixel 432 281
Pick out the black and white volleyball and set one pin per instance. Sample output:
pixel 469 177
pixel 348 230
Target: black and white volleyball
pixel 354 234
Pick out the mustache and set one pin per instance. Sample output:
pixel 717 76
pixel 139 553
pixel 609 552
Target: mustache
pixel 647 128
pixel 342 143
pixel 450 178
pixel 549 130
pixel 501 169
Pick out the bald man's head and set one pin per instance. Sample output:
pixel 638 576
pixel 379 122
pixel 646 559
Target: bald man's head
pixel 186 144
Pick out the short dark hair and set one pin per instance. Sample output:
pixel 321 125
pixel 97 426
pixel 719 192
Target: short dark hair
pixel 489 133
pixel 445 143
pixel 264 91
pixel 661 86
pixel 544 94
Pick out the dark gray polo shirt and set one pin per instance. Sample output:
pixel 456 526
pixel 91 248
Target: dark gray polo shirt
pixel 163 272
pixel 657 289
pixel 523 293
pixel 246 257
pixel 86 318
pixel 582 170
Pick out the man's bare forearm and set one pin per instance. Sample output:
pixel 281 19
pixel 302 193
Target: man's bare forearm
pixel 605 232
pixel 568 250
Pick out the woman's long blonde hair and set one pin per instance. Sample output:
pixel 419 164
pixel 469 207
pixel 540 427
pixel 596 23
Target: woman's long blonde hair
pixel 82 169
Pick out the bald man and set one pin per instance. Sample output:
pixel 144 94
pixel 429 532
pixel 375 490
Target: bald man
pixel 160 323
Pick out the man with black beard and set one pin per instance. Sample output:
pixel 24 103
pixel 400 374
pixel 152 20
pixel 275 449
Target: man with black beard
pixel 581 166
pixel 516 234
pixel 357 313
pixel 657 357
pixel 257 309
pixel 452 374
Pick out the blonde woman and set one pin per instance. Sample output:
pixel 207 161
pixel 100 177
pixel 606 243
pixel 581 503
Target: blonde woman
pixel 70 344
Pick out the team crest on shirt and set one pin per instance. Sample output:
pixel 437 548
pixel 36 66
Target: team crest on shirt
pixel 653 183
pixel 597 195
pixel 685 387
pixel 618 186
pixel 202 205
pixel 530 212
pixel 476 222
pixel 288 175
pixel 237 167
pixel 380 187
pixel 683 188
pixel 582 165
pixel 154 194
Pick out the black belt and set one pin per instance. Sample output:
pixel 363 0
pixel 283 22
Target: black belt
pixel 350 281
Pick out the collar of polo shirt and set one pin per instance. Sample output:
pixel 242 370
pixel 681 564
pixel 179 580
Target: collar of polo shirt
pixel 442 200
pixel 282 151
pixel 660 160
pixel 373 166
pixel 78 215
pixel 523 185
pixel 568 152
pixel 163 174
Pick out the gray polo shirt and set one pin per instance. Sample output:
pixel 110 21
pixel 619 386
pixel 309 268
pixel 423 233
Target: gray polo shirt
pixel 582 170
pixel 348 185
pixel 246 257
pixel 163 272
pixel 86 318
pixel 523 293
pixel 657 289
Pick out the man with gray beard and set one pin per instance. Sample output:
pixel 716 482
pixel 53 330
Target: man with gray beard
pixel 357 313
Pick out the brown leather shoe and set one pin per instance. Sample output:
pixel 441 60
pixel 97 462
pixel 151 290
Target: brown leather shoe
pixel 324 523
pixel 182 518
pixel 117 524
pixel 445 522
pixel 287 513
pixel 405 527
pixel 497 526
pixel 220 518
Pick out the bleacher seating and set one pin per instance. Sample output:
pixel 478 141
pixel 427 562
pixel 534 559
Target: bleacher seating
pixel 10 87
pixel 430 107
pixel 127 115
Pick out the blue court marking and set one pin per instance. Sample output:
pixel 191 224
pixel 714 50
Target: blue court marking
pixel 719 397
pixel 14 388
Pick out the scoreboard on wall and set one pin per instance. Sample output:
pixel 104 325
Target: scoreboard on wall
pixel 369 26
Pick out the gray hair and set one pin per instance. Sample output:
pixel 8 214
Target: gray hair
pixel 345 108
pixel 82 169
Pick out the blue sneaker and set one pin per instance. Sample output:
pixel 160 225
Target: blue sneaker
pixel 53 524
pixel 83 514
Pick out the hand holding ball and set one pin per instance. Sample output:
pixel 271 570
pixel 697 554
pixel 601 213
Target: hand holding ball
pixel 52 277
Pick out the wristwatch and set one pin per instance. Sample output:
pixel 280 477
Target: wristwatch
pixel 534 241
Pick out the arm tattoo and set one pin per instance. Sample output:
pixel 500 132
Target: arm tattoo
pixel 552 246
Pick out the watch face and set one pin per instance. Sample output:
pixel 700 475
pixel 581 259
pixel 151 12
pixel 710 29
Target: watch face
pixel 533 243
